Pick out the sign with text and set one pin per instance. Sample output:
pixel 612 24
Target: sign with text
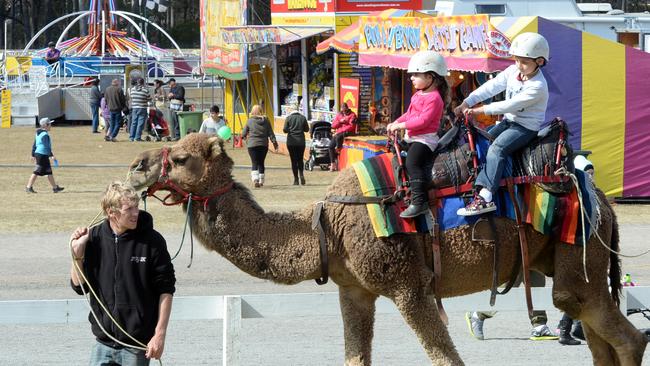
pixel 376 5
pixel 6 109
pixel 349 93
pixel 301 6
pixel 468 37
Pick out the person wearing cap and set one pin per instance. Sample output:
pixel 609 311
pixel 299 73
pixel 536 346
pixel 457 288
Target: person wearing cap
pixel 523 110
pixel 53 54
pixel 428 70
pixel 41 155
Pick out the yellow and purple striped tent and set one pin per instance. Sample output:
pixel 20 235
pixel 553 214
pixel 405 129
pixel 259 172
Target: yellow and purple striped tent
pixel 601 89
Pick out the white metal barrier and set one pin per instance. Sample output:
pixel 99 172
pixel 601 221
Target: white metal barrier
pixel 232 309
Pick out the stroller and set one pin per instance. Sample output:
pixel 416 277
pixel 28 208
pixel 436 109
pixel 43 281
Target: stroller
pixel 321 134
pixel 157 127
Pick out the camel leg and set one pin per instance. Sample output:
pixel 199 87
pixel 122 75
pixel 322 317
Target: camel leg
pixel 358 311
pixel 421 314
pixel 602 353
pixel 628 342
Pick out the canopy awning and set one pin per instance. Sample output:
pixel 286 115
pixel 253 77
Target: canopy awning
pixel 347 40
pixel 269 34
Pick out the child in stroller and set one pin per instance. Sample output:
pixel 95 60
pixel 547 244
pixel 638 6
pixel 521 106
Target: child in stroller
pixel 157 127
pixel 321 134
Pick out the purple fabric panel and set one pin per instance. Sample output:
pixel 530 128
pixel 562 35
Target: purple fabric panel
pixel 636 175
pixel 564 76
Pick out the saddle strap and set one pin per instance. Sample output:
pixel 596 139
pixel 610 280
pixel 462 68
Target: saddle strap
pixel 514 274
pixel 437 262
pixel 524 249
pixel 322 240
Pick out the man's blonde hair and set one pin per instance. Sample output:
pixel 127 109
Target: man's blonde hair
pixel 257 110
pixel 115 194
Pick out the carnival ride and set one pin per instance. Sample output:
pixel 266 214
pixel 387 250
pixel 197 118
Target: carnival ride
pixel 103 37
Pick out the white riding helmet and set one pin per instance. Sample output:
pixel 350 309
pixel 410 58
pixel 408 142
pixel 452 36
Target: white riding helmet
pixel 531 45
pixel 425 61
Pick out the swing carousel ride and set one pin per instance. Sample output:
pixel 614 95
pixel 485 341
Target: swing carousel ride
pixel 103 38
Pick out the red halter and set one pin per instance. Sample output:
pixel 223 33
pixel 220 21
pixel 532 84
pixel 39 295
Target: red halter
pixel 165 183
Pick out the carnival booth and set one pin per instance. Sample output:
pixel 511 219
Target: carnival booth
pixel 597 86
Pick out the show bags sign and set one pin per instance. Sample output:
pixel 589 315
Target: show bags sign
pixel 455 36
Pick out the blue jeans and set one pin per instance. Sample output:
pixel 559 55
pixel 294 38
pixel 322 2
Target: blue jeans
pixel 509 137
pixel 116 123
pixel 138 118
pixel 105 355
pixel 94 110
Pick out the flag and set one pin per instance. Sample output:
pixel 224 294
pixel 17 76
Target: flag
pixel 162 5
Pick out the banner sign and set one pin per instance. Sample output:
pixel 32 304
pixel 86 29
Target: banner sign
pixel 301 6
pixel 349 93
pixel 217 57
pixel 252 35
pixel 376 5
pixel 6 109
pixel 463 37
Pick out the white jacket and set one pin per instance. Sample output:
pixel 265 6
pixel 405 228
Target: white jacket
pixel 525 101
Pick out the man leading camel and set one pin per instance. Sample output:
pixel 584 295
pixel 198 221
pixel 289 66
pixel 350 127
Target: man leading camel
pixel 126 262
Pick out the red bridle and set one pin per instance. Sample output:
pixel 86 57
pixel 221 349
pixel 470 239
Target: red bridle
pixel 165 183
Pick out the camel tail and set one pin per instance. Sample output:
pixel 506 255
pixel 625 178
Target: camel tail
pixel 615 262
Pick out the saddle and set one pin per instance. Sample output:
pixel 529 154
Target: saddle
pixel 457 161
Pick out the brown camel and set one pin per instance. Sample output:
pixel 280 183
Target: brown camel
pixel 283 248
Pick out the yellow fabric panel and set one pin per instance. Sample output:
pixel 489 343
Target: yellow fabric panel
pixel 521 25
pixel 603 110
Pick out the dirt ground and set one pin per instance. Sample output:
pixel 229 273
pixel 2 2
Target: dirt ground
pixel 75 148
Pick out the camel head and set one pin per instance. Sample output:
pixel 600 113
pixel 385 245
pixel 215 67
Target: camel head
pixel 197 164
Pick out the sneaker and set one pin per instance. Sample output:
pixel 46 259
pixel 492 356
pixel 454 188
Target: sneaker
pixel 107 138
pixel 542 333
pixel 57 189
pixel 475 325
pixel 478 206
pixel 30 190
pixel 256 183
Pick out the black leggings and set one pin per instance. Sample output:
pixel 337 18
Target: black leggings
pixel 419 162
pixel 258 155
pixel 296 153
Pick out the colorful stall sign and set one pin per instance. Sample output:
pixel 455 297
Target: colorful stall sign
pixel 301 6
pixel 374 5
pixel 349 93
pixel 217 57
pixel 467 42
pixel 6 109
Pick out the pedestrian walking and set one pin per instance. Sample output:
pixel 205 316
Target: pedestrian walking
pixel 41 155
pixel 295 126
pixel 116 101
pixel 258 132
pixel 140 98
pixel 176 101
pixel 95 103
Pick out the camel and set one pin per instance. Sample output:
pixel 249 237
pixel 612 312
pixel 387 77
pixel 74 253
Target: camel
pixel 283 248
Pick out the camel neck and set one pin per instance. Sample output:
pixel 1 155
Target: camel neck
pixel 280 247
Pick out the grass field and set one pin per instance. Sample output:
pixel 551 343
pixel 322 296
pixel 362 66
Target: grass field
pixel 79 202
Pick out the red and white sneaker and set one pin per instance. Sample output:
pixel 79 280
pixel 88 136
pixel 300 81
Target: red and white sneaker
pixel 478 206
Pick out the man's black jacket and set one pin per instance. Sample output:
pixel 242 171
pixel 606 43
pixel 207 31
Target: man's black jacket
pixel 128 272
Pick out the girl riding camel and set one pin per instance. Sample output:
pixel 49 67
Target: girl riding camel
pixel 428 70
pixel 523 110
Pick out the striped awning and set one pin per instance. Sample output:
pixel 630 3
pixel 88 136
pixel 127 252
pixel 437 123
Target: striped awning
pixel 347 40
pixel 269 34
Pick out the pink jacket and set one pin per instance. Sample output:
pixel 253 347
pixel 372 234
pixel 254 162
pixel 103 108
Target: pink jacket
pixel 344 123
pixel 424 113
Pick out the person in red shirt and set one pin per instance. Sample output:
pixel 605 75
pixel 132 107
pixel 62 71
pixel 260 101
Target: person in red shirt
pixel 428 70
pixel 344 124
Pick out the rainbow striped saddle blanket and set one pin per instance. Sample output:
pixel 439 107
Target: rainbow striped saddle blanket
pixel 550 214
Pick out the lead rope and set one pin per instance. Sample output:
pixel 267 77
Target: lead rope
pixel 574 179
pixel 188 222
pixel 80 273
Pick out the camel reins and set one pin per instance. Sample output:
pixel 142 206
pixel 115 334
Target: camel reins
pixel 164 182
